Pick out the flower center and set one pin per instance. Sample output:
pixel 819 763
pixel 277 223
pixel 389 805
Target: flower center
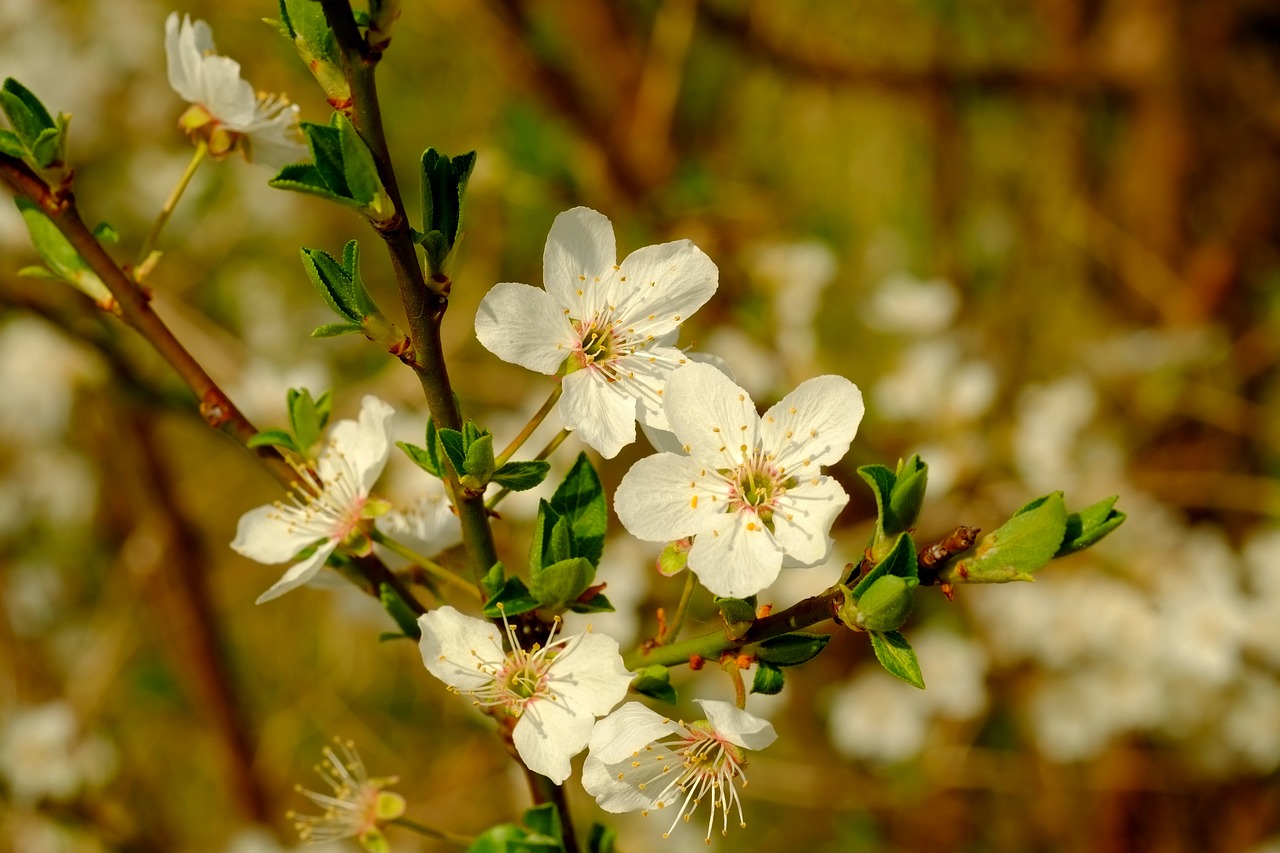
pixel 521 678
pixel 709 766
pixel 329 510
pixel 756 486
pixel 598 343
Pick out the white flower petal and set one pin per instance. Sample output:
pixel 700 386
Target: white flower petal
pixel 428 525
pixel 550 733
pixel 628 729
pixel 816 421
pixel 737 726
pixel 299 573
pixel 580 248
pixel 360 447
pixel 599 412
pixel 663 285
pixel 665 497
pixel 454 646
pixel 736 556
pixel 263 534
pixel 588 674
pixel 644 376
pixel 803 519
pixel 612 794
pixel 711 414
pixel 524 325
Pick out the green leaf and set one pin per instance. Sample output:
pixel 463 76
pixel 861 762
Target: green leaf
pixel 310 179
pixel 305 25
pixel 306 418
pixel 325 142
pixel 674 557
pixel 738 616
pixel 515 598
pixel 580 498
pixel 791 649
pixel 597 603
pixel 1089 525
pixel 561 582
pixel 602 839
pixel 272 438
pixel 358 166
pixel 455 448
pixel 522 476
pixel 768 679
pixel 420 457
pixel 544 820
pixel 339 283
pixel 494 578
pixel 28 116
pixel 444 184
pixel 900 561
pixel 907 495
pixel 1017 549
pixel 11 145
pixel 59 255
pixel 104 232
pixel 399 611
pixel 897 657
pixel 655 682
pixel 511 838
pixel 333 330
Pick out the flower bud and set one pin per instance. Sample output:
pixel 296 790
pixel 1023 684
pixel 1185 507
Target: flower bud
pixel 883 607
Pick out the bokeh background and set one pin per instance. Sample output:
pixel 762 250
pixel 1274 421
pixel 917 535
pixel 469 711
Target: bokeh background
pixel 1041 237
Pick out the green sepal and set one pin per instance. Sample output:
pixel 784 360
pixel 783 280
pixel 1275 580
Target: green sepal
pixel 521 476
pixel 768 680
pixel 1089 525
pixel 738 616
pixel 303 23
pixel 791 649
pixel 655 682
pixel 399 611
pixel 494 579
pixel 900 561
pixel 580 499
pixel 62 259
pixel 444 185
pixel 897 657
pixel 602 839
pixel 308 417
pixel 273 438
pixel 1017 549
pixel 674 558
pixel 513 596
pixel 598 603
pixel 561 582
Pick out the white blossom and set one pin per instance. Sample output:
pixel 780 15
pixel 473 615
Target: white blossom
pixel 554 692
pixel 750 489
pixel 43 754
pixel 640 761
pixel 225 110
pixel 607 327
pixel 329 504
pixel 356 806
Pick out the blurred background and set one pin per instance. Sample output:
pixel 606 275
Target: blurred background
pixel 1040 236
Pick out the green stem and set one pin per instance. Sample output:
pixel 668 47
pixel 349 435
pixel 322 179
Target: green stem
pixel 546 451
pixel 810 611
pixel 431 567
pixel 673 627
pixel 534 422
pixel 730 665
pixel 153 237
pixel 438 834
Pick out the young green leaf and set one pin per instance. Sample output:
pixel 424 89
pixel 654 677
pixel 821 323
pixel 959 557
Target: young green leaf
pixel 792 649
pixel 580 498
pixel 897 657
pixel 655 682
pixel 1089 525
pixel 1020 547
pixel 521 476
pixel 561 582
pixel 273 438
pixel 399 611
pixel 513 596
pixel 59 255
pixel 738 616
pixel 768 680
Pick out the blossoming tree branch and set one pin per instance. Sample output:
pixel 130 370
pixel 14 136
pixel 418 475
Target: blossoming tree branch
pixel 734 495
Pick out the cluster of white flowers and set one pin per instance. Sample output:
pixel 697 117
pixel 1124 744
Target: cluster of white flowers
pixel 44 754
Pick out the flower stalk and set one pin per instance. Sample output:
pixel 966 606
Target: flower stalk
pixel 144 263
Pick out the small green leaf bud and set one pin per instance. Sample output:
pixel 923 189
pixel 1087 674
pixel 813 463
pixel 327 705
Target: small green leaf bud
pixel 884 606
